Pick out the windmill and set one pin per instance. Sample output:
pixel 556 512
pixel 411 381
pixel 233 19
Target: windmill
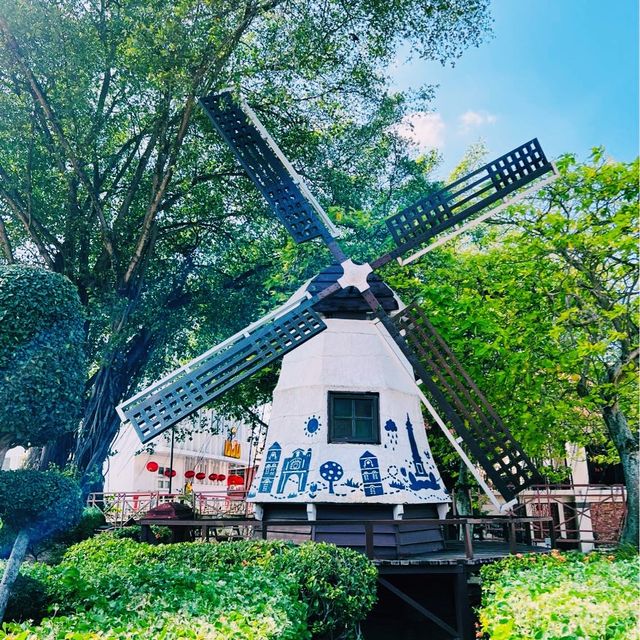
pixel 425 366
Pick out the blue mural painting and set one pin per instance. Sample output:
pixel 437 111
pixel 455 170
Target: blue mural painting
pixel 331 471
pixel 421 479
pixel 295 467
pixel 312 427
pixel 270 468
pixel 370 471
pixel 395 482
pixel 391 430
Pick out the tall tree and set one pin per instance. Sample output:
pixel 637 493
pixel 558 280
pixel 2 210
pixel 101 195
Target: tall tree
pixel 110 174
pixel 588 223
pixel 543 309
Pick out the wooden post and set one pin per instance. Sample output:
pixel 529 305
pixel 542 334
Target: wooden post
pixel 552 535
pixel 468 540
pixel 145 533
pixel 512 537
pixel 368 540
pixel 529 530
pixel 464 615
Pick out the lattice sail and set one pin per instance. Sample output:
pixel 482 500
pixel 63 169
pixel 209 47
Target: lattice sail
pixel 467 197
pixel 465 407
pixel 183 392
pixel 270 171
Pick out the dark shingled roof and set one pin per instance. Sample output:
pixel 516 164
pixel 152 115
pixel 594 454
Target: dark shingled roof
pixel 349 301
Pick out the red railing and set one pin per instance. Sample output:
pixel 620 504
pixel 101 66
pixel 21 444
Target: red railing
pixel 583 514
pixel 121 506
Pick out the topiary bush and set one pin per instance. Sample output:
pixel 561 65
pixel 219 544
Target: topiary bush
pixel 28 599
pixel 42 361
pixel 561 596
pixel 39 502
pixel 107 587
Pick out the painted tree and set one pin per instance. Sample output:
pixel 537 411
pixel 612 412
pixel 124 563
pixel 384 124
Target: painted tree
pixel 331 472
pixel 542 309
pixel 110 174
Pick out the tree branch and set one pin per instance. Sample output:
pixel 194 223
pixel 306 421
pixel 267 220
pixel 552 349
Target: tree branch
pixel 206 67
pixel 40 97
pixel 5 244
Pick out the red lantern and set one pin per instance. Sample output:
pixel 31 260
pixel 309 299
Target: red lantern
pixel 189 474
pixel 235 480
pixel 221 477
pixel 152 466
pixel 170 473
pixel 201 475
pixel 213 477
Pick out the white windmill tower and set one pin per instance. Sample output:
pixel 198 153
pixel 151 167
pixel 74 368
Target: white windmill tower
pixel 346 438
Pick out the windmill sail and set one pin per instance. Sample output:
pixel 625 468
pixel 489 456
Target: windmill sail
pixel 465 198
pixel 270 171
pixel 184 391
pixel 462 403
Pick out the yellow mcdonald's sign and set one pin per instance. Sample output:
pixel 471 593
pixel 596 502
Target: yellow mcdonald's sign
pixel 232 448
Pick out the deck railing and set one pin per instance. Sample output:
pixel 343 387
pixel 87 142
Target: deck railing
pixel 121 507
pixel 517 533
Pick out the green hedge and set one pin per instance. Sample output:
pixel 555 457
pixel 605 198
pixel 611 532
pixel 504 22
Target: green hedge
pixel 117 588
pixel 561 596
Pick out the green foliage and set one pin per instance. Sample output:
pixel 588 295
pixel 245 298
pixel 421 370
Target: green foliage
pixel 246 590
pixel 28 599
pixel 91 520
pixel 42 363
pixel 40 502
pixel 53 548
pixel 561 597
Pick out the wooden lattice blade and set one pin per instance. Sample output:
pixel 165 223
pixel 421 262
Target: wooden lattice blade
pixel 270 171
pixel 465 199
pixel 183 392
pixel 463 405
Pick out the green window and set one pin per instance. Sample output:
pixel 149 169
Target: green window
pixel 353 417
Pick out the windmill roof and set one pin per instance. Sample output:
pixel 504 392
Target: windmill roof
pixel 349 300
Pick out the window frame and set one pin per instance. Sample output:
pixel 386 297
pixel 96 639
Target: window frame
pixel 353 396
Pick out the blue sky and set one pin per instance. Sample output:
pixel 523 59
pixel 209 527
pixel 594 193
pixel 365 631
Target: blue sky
pixel 564 71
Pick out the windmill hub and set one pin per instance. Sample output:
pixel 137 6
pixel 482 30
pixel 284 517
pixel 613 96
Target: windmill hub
pixel 355 275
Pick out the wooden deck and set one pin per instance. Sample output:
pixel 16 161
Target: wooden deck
pixel 454 553
pixel 472 541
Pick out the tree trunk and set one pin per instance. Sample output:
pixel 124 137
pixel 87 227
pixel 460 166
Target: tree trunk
pixel 627 446
pixel 11 569
pixel 3 453
pixel 461 492
pixel 100 426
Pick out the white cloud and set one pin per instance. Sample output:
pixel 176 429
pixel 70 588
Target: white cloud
pixel 425 129
pixel 473 119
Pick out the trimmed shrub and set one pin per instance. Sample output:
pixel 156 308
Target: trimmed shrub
pixel 107 587
pixel 561 597
pixel 42 363
pixel 42 502
pixel 28 599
